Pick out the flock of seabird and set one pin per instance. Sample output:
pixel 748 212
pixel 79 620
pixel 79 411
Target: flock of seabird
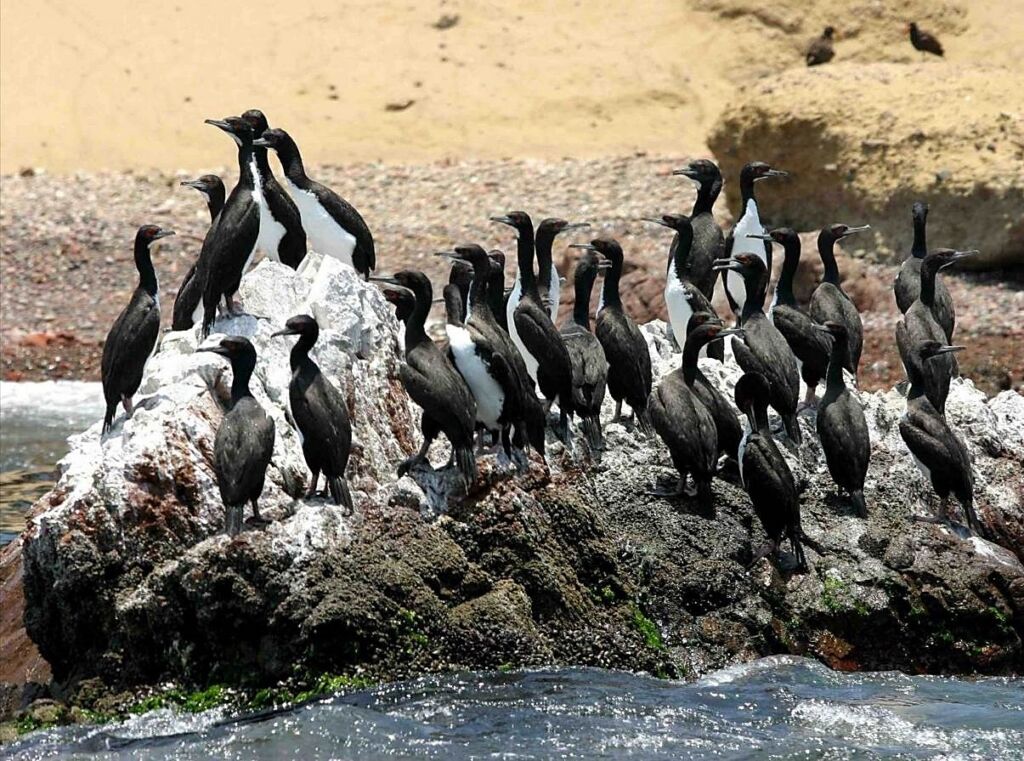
pixel 492 386
pixel 821 49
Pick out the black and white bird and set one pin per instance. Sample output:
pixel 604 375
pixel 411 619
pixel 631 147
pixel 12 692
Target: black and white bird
pixel 765 474
pixel 630 375
pixel 549 282
pixel 461 277
pixel 333 226
pixel 230 244
pixel 682 296
pixel 532 330
pixel 919 324
pixel 810 347
pixel 320 414
pixel 482 353
pixel 842 428
pixel 281 235
pixel 829 302
pixel 708 240
pixel 820 49
pixel 430 379
pixel 244 445
pixel 937 451
pixel 589 365
pixel 762 348
pixel 188 302
pixel 684 422
pixel 132 339
pixel 907 287
pixel 496 289
pixel 749 223
pixel 727 424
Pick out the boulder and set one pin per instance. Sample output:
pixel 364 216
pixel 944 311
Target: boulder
pixel 129 576
pixel 862 142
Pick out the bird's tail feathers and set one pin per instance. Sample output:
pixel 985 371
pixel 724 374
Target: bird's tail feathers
pixel 340 493
pixel 857 497
pixel 792 428
pixel 592 433
pixel 643 422
pixel 108 418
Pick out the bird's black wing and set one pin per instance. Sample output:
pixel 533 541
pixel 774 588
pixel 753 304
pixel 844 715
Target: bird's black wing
pixel 227 247
pixel 283 208
pixel 363 256
pixel 770 483
pixel 322 416
pixel 807 342
pixel 129 344
pixel 932 442
pixel 243 449
pixel 624 346
pixel 844 437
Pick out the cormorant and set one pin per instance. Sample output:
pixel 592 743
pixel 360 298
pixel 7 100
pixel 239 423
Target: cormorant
pixel 333 226
pixel 829 301
pixel 133 337
pixel 188 301
pixel 548 279
pixel 765 474
pixel 630 375
pixel 762 349
pixel 727 424
pixel 924 41
pixel 708 241
pixel 820 50
pixel 245 439
pixel 320 413
pixel 842 429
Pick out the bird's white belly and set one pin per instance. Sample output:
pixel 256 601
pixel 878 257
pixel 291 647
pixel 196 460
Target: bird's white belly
pixel 742 450
pixel 271 231
pixel 510 314
pixel 325 235
pixel 679 309
pixel 488 394
pixel 554 293
pixel 749 224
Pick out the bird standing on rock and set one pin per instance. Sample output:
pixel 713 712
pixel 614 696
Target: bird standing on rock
pixel 189 299
pixel 333 226
pixel 705 328
pixel 762 348
pixel 708 241
pixel 548 279
pixel 281 235
pixel 765 474
pixel 429 378
pixel 829 301
pixel 924 41
pixel 938 452
pixel 133 337
pixel 589 365
pixel 630 375
pixel 841 426
pixel 319 412
pixel 820 50
pixel 244 444
pixel 809 346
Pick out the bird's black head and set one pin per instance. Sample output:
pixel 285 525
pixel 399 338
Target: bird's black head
pixel 552 226
pixel 519 220
pixel 912 27
pixel 919 211
pixel 462 273
pixel 589 264
pixel 752 392
pixel 498 257
pixel 239 129
pixel 299 325
pixel 701 318
pixel 676 222
pixel 403 299
pixel 149 233
pixel 234 348
pixel 257 120
pixel 272 138
pixel 759 170
pixel 207 184
pixel 748 265
pixel 710 330
pixel 829 32
pixel 416 282
pixel 785 236
pixel 609 248
pixel 701 171
pixel 465 254
pixel 835 329
pixel 941 258
pixel 928 349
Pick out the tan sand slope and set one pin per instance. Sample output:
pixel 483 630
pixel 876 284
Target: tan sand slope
pixel 117 84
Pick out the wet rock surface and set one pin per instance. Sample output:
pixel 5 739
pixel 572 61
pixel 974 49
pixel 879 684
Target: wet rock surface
pixel 128 575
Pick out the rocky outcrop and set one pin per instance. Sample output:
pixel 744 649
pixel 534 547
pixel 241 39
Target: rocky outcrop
pixel 864 141
pixel 128 574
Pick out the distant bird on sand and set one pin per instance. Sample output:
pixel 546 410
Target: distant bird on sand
pixel 924 41
pixel 820 50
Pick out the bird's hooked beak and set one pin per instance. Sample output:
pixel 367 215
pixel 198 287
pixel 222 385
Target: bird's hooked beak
pixel 585 246
pixel 213 350
pixel 730 332
pixel 949 350
pixel 504 220
pixel 261 142
pixel 197 184
pixel 656 221
pixel 761 236
pixel 772 173
pixel 575 226
pixel 220 124
pixel 686 171
pixel 285 332
pixel 162 234
pixel 383 280
pixel 726 264
pixel 854 230
pixel 960 255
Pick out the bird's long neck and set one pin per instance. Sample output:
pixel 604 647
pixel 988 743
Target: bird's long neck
pixel 246 177
pixel 453 307
pixel 215 201
pixel 826 250
pixel 300 351
pixel 524 256
pixel 747 191
pixel 610 290
pixel 241 371
pixel 262 162
pixel 840 352
pixel 756 290
pixel 928 275
pixel 691 353
pixel 920 248
pixel 544 262
pixel 494 301
pixel 144 264
pixel 291 161
pixel 917 381
pixel 415 326
pixel 784 287
pixel 681 254
pixel 583 285
pixel 707 194
pixel 761 418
